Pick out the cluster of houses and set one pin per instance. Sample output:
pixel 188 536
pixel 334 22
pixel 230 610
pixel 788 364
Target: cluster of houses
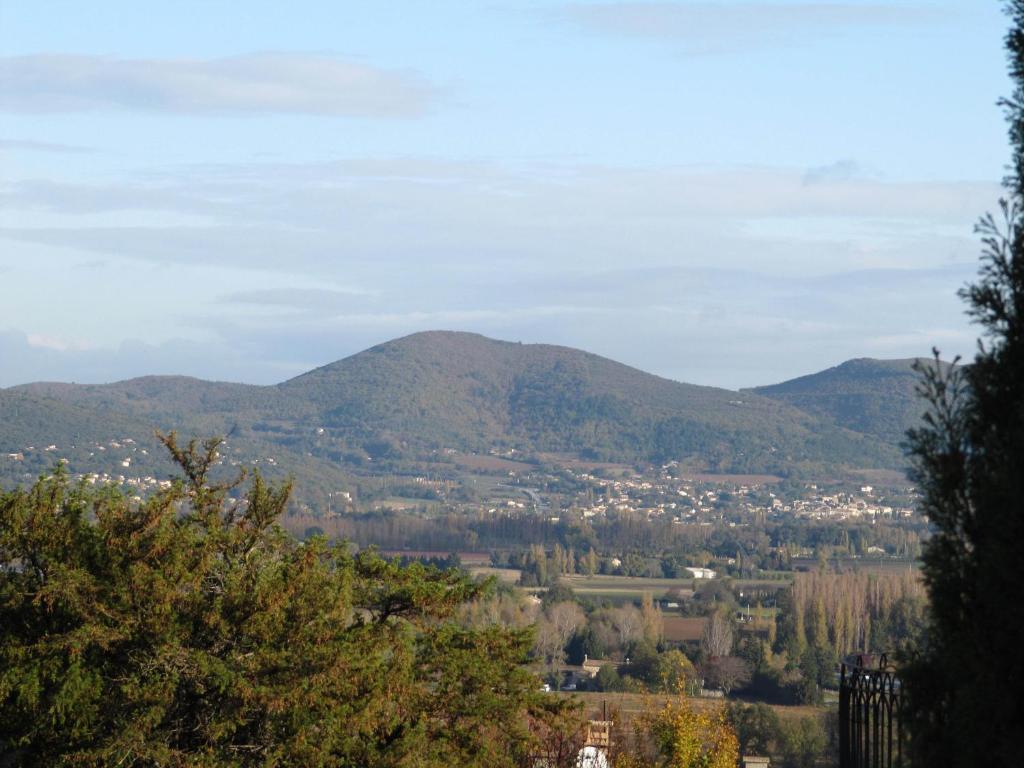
pixel 841 506
pixel 690 502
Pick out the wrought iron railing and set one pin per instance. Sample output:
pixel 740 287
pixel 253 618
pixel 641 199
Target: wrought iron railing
pixel 870 708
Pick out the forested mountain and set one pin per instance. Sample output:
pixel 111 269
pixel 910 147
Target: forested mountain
pixel 412 399
pixel 875 397
pixel 460 390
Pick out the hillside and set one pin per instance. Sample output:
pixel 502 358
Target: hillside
pixel 110 430
pixel 874 397
pixel 460 390
pixel 405 402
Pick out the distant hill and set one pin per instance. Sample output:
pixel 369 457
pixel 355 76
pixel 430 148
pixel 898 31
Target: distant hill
pixel 405 402
pixel 28 419
pixel 465 391
pixel 874 397
pixel 110 429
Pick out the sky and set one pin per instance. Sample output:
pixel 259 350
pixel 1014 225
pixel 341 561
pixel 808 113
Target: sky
pixel 722 193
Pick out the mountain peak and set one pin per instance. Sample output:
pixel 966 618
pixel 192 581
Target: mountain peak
pixel 865 394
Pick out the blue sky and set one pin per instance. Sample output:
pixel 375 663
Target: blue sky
pixel 727 193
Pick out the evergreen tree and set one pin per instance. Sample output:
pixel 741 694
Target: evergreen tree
pixel 964 684
pixel 189 629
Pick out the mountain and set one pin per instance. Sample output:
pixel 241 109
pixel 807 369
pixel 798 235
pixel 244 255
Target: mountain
pixel 465 391
pixel 407 402
pixel 873 397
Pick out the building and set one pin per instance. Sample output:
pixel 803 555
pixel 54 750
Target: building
pixel 592 666
pixel 701 573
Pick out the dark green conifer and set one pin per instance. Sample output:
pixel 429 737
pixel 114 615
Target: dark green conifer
pixel 189 629
pixel 965 683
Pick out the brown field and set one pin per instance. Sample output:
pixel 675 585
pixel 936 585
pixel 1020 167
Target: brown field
pixel 680 629
pixel 629 705
pixel 468 559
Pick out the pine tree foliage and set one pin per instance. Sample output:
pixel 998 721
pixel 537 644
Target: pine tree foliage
pixel 964 686
pixel 189 629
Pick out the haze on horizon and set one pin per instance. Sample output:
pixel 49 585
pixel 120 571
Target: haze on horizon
pixel 725 193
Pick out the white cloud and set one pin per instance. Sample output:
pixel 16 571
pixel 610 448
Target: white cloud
pixel 57 343
pixel 251 84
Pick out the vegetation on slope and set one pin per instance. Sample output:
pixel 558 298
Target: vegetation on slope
pixel 874 397
pixel 411 399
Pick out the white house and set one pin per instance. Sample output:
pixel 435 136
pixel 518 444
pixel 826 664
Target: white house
pixel 701 573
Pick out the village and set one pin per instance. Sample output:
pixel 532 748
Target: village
pixel 656 492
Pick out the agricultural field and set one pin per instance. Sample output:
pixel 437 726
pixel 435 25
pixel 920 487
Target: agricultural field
pixel 404 504
pixel 627 706
pixel 690 629
pixel 506 575
pixel 876 565
pixel 732 479
pixel 470 560
pixel 619 589
pixel 683 629
pixel 485 463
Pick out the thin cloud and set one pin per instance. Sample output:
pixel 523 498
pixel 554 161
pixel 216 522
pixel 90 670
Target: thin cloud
pixel 657 267
pixel 79 199
pixel 27 357
pixel 841 170
pixel 722 327
pixel 315 195
pixel 345 222
pixel 307 299
pixel 25 145
pixel 251 84
pixel 716 27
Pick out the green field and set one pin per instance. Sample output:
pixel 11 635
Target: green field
pixel 631 588
pixel 507 575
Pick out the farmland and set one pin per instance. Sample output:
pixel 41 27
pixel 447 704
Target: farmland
pixel 627 706
pixel 618 589
pixel 683 629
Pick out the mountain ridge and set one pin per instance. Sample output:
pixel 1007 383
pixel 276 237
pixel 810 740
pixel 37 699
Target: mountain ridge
pixel 871 396
pixel 404 400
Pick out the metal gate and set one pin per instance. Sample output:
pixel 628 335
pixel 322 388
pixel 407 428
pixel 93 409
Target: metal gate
pixel 870 702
